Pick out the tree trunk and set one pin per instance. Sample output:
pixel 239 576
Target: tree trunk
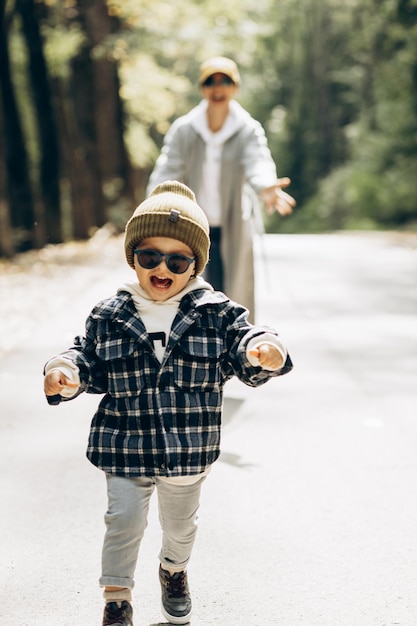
pixel 79 170
pixel 49 150
pixel 109 119
pixel 17 169
pixel 6 238
pixel 82 135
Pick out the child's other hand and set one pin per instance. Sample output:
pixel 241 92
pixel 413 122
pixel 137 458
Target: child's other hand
pixel 268 356
pixel 55 381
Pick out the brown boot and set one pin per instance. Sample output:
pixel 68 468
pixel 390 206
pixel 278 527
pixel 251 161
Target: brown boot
pixel 115 615
pixel 176 600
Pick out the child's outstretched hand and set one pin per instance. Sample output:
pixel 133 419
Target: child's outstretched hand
pixel 269 356
pixel 55 381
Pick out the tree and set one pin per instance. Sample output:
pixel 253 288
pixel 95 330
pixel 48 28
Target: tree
pixel 99 169
pixel 19 192
pixel 7 248
pixel 114 164
pixel 300 62
pixel 334 82
pixel 49 156
pixel 377 185
pixel 6 242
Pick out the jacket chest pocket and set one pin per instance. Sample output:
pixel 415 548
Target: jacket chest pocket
pixel 123 361
pixel 196 366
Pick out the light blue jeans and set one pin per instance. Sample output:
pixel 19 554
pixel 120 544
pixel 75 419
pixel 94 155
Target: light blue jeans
pixel 127 518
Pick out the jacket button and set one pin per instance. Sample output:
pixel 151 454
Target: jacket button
pixel 162 466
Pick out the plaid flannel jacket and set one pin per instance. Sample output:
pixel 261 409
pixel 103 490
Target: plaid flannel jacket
pixel 163 419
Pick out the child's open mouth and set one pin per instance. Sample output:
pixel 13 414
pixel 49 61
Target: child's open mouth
pixel 161 283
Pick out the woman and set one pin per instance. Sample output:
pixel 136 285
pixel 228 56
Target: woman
pixel 221 153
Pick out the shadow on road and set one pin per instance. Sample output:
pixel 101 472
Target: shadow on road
pixel 168 624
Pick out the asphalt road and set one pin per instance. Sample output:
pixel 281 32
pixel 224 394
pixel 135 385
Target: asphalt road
pixel 310 515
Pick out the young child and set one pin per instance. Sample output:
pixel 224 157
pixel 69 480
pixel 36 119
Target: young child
pixel 160 351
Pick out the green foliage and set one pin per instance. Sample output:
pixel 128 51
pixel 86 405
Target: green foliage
pixel 334 82
pixel 151 98
pixel 378 185
pixel 160 48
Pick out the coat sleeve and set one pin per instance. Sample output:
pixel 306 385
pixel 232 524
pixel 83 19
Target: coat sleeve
pixel 93 375
pixel 82 355
pixel 240 333
pixel 171 163
pixel 255 375
pixel 258 164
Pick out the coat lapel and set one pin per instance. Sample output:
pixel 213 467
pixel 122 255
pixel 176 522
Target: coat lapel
pixel 130 322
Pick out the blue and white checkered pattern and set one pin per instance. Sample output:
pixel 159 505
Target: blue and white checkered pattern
pixel 163 419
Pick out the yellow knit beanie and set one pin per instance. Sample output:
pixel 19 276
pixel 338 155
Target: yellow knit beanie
pixel 171 211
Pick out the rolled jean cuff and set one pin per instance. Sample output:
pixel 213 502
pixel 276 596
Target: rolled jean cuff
pixel 171 567
pixel 114 581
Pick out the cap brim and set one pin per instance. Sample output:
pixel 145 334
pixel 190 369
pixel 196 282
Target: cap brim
pixel 216 70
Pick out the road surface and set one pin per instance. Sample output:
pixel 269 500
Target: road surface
pixel 310 515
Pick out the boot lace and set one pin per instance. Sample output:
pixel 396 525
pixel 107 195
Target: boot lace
pixel 114 614
pixel 176 585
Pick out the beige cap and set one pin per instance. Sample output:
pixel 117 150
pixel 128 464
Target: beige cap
pixel 221 65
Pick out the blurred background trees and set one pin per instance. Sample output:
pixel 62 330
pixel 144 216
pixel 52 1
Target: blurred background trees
pixel 88 89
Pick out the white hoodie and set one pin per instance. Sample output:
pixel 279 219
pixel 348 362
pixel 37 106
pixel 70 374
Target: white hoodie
pixel 158 316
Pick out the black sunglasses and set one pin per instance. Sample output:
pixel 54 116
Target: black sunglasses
pixel 176 263
pixel 211 81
